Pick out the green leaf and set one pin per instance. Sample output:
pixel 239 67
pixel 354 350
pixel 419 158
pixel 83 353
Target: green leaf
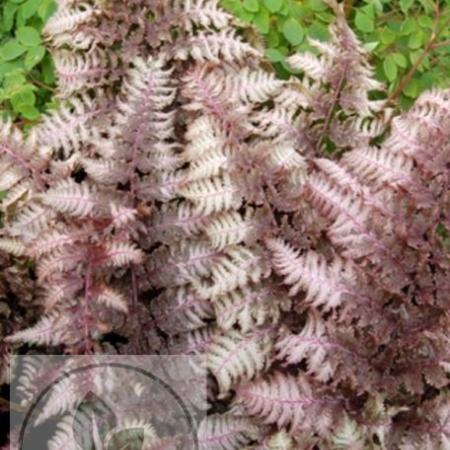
pixel 390 68
pixel 11 50
pixel 262 21
pixel 34 56
pixel 274 55
pixel 318 31
pixel 9 11
pixel 387 36
pixel 23 96
pixel 415 41
pixel 15 77
pixel 28 36
pixel 29 8
pixel 48 70
pixel 251 5
pixel 46 9
pixel 293 31
pixel 364 22
pixel 425 21
pixel 30 112
pixel 317 5
pixel 3 195
pixel 368 10
pixel 428 5
pixel 411 89
pixel 408 26
pixel 371 46
pixel 400 60
pixel 273 38
pixel 414 56
pixel 273 5
pixel 405 5
pixel 378 6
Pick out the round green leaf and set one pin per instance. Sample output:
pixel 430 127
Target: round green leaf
pixel 400 60
pixel 415 41
pixel 371 46
pixel 28 36
pixel 390 68
pixel 318 31
pixel 34 56
pixel 364 22
pixel 251 5
pixel 405 5
pixel 46 9
pixel 317 5
pixel 24 96
pixel 387 36
pixel 411 89
pixel 273 5
pixel 293 31
pixel 408 26
pixel 262 21
pixel 29 8
pixel 30 112
pixel 274 55
pixel 9 11
pixel 11 50
pixel 425 21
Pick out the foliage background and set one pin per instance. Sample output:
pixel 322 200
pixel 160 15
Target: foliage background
pixel 409 40
pixel 26 70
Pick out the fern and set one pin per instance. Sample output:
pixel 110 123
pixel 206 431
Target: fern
pixel 185 199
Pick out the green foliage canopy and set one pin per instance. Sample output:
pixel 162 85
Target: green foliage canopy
pixel 26 69
pixel 409 39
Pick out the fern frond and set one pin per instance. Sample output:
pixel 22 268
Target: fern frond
pixel 208 166
pixel 180 310
pixel 50 330
pixel 380 166
pixel 326 284
pixel 62 26
pixel 78 72
pixel 310 64
pixel 69 197
pixel 60 261
pixel 70 127
pixel 213 195
pixel 13 246
pixel 312 345
pixel 250 307
pixel 283 400
pixel 235 357
pixel 105 171
pixel 120 254
pixel 339 175
pixel 226 432
pixel 54 239
pixel 185 261
pixel 231 228
pixel 31 220
pixel 239 267
pixel 216 48
pixel 111 298
pixel 175 221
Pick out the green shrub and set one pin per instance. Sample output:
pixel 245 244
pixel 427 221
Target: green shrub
pixel 409 41
pixel 26 69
